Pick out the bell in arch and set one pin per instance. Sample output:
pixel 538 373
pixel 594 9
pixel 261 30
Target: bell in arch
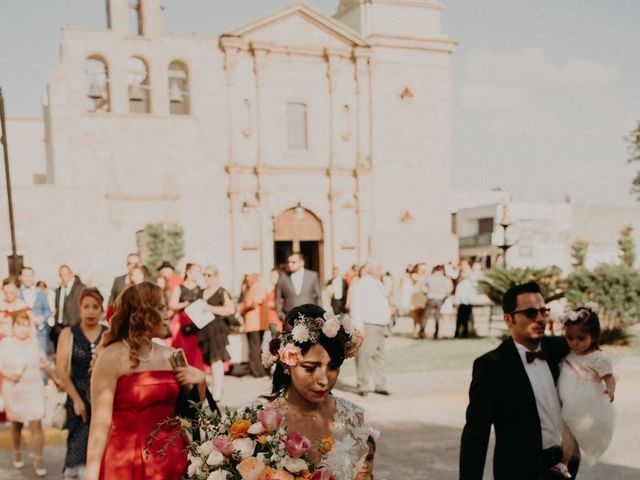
pixel 175 94
pixel 96 91
pixel 136 93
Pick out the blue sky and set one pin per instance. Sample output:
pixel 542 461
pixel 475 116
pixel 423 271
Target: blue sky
pixel 545 90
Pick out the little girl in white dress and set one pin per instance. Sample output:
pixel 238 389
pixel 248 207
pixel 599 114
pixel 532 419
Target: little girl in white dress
pixel 586 387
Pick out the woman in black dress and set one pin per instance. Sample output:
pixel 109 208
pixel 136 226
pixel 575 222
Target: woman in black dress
pixel 214 337
pixel 76 349
pixel 186 335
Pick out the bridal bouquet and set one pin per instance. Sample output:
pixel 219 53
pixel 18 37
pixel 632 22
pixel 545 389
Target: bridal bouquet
pixel 253 444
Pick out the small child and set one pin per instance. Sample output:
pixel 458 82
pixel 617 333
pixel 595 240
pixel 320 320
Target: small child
pixel 586 407
pixel 21 359
pixel 366 470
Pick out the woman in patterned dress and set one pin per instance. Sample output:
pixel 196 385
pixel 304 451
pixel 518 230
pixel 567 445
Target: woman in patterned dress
pixel 76 349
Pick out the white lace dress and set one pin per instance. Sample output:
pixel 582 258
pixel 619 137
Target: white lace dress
pixel 586 410
pixel 349 439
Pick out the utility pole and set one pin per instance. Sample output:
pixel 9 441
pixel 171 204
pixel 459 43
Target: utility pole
pixel 14 263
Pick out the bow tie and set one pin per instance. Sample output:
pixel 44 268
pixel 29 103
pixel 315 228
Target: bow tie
pixel 531 356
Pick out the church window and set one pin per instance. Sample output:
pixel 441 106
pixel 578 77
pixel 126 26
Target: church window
pixel 97 84
pixel 297 126
pixel 178 89
pixel 139 86
pixel 135 18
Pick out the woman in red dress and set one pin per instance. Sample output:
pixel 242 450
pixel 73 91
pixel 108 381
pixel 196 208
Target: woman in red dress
pixel 133 390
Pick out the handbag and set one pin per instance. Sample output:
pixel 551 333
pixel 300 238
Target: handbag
pixel 59 417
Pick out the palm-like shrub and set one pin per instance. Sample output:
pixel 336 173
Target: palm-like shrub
pixel 498 280
pixel 616 288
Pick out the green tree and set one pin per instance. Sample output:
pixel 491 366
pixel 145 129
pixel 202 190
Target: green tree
pixel 627 246
pixel 616 288
pixel 164 241
pixel 634 155
pixel 579 250
pixel 498 280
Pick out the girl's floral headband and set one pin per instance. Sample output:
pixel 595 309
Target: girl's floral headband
pixel 285 346
pixel 580 313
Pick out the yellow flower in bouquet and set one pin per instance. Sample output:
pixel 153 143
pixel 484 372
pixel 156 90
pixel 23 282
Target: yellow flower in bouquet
pixel 239 429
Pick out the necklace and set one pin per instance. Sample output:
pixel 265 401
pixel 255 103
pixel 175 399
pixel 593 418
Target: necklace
pixel 142 359
pixel 314 415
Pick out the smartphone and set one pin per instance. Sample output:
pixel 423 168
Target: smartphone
pixel 178 359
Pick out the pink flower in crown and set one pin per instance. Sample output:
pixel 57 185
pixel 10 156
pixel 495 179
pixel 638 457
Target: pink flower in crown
pixel 296 444
pixel 224 444
pixel 331 328
pixel 290 355
pixel 323 474
pixel 270 417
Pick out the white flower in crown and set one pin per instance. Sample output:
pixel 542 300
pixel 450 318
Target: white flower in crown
pixel 331 327
pixel 300 333
pixel 592 306
pixel 573 315
pixel 348 325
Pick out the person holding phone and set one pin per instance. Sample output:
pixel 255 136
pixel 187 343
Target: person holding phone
pixel 134 388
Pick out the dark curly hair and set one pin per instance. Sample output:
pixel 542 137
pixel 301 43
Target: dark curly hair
pixel 335 347
pixel 589 323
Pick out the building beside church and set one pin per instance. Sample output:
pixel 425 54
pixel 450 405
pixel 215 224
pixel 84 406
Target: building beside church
pixel 330 135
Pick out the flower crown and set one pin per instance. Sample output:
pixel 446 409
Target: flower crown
pixel 285 346
pixel 580 313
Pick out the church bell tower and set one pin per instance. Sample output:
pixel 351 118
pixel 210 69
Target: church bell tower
pixel 392 19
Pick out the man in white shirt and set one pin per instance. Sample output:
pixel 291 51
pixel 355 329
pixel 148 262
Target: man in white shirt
pixel 371 312
pixel 67 296
pixel 513 389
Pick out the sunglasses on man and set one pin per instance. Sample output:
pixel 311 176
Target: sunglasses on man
pixel 532 313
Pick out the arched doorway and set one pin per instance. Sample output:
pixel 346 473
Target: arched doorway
pixel 298 230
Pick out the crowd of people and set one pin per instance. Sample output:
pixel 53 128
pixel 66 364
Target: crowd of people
pixel 69 326
pixel 115 362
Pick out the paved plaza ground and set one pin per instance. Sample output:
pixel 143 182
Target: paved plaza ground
pixel 422 421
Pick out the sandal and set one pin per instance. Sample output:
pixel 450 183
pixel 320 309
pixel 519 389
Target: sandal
pixel 562 469
pixel 18 462
pixel 39 467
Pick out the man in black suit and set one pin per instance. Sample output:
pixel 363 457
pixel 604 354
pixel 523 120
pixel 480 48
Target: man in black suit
pixel 338 289
pixel 513 389
pixel 301 286
pixel 121 282
pixel 67 296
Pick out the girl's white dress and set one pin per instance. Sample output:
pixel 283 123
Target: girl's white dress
pixel 586 409
pixel 24 400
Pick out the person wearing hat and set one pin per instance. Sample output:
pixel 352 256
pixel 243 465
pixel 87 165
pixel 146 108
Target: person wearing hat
pixel 168 279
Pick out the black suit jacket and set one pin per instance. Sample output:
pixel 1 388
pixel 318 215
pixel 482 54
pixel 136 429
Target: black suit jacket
pixel 119 284
pixel 309 293
pixel 501 395
pixel 70 309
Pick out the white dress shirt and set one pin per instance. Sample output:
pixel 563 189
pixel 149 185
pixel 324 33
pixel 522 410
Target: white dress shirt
pixel 369 304
pixel 296 280
pixel 547 400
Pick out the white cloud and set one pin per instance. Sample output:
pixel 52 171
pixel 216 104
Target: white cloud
pixel 485 96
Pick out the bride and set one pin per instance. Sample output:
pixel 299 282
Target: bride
pixel 308 356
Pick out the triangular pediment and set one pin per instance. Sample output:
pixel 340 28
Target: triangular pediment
pixel 298 25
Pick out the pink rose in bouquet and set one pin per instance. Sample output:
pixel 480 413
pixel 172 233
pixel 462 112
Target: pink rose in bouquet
pixel 270 417
pixel 224 443
pixel 296 444
pixel 323 474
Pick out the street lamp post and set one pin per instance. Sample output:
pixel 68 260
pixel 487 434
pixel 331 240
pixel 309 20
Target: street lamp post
pixel 13 259
pixel 505 224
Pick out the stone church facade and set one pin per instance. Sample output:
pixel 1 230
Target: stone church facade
pixel 295 131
